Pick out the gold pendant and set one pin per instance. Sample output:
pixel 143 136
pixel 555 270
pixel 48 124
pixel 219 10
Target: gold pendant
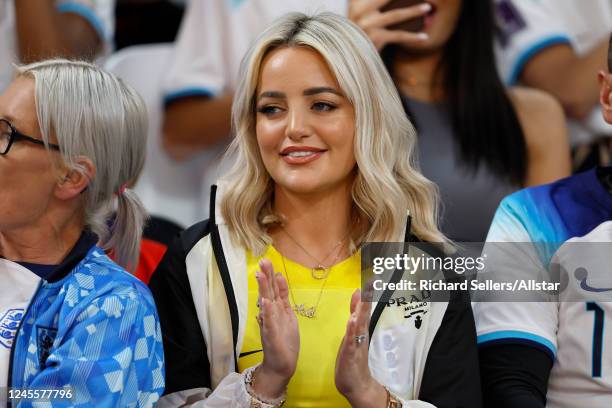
pixel 302 310
pixel 320 272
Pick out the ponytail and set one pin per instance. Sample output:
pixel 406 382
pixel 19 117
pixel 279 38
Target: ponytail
pixel 125 233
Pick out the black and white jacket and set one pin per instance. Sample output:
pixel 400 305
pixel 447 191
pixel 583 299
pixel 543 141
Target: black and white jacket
pixel 201 293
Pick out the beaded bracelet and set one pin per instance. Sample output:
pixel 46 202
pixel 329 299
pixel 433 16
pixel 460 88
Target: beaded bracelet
pixel 392 401
pixel 256 400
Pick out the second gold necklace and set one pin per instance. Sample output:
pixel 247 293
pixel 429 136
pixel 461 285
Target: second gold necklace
pixel 320 271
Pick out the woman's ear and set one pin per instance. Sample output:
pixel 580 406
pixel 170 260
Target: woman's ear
pixel 73 181
pixel 605 95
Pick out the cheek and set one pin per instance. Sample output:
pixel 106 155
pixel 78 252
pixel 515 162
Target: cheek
pixel 21 207
pixel 264 138
pixel 27 182
pixel 267 143
pixel 448 17
pixel 454 13
pixel 344 143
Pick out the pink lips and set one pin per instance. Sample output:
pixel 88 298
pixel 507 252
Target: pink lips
pixel 301 154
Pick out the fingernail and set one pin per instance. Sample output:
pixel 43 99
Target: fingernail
pixel 425 7
pixel 422 36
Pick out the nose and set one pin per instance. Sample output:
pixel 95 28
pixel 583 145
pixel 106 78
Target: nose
pixel 298 126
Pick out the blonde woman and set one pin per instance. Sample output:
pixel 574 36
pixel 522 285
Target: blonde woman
pixel 258 304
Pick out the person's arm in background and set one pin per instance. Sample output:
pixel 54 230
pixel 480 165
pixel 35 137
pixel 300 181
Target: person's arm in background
pixel 536 48
pixel 44 31
pixel 569 77
pixel 514 376
pixel 516 339
pixel 545 131
pixel 196 95
pixel 195 123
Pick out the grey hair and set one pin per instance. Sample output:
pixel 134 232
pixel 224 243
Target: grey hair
pixel 93 114
pixel 388 182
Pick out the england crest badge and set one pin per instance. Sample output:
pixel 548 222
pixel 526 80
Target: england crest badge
pixel 9 323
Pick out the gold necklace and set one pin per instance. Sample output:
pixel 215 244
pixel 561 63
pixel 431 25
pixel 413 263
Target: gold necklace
pixel 301 308
pixel 320 271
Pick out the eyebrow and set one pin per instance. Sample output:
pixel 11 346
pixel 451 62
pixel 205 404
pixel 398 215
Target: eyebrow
pixel 271 94
pixel 320 89
pixel 307 92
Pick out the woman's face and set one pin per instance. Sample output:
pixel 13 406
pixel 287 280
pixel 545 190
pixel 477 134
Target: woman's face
pixel 440 24
pixel 305 125
pixel 27 174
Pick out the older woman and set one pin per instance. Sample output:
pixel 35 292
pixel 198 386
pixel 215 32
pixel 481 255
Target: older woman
pixel 71 137
pixel 324 165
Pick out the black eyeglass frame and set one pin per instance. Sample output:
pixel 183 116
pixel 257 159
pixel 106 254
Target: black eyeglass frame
pixel 17 135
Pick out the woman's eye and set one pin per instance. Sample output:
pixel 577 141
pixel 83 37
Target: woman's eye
pixel 268 110
pixel 323 106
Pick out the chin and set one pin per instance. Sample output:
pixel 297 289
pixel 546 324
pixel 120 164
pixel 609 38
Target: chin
pixel 313 182
pixel 300 187
pixel 424 48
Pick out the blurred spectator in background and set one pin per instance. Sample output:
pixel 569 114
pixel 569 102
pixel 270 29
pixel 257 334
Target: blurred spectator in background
pixel 559 46
pixel 213 37
pixel 551 353
pixel 478 140
pixel 37 29
pixel 147 21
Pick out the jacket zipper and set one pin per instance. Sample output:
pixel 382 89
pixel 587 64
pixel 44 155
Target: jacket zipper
pixel 395 277
pixel 225 275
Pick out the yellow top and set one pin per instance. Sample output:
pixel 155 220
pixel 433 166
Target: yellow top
pixel 312 385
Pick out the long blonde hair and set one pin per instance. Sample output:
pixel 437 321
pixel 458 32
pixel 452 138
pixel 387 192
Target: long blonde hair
pixel 387 183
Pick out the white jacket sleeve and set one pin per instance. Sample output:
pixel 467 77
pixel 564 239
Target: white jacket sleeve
pixel 230 393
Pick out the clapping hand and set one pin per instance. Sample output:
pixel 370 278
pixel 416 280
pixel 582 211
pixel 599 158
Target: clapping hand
pixel 280 337
pixel 353 378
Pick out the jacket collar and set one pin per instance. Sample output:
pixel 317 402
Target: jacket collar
pixel 216 194
pixel 86 241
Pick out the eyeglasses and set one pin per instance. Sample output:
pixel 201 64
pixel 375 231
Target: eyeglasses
pixel 8 135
